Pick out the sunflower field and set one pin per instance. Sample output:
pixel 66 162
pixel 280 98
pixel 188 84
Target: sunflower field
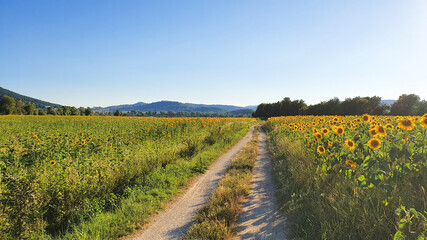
pixel 352 177
pixel 57 172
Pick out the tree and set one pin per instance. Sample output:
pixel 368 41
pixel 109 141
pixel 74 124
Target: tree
pixel 88 111
pixel 41 112
pixel 51 111
pixel 82 111
pixel 118 113
pixel 7 105
pixel 30 109
pixel 421 108
pixel 74 111
pixel 65 110
pixel 405 105
pixel 19 107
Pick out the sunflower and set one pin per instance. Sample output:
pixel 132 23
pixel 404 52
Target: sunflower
pixel 381 131
pixel 350 144
pixel 351 163
pixel 406 124
pixel 52 163
pixel 374 143
pixel 325 131
pixel 315 131
pixel 330 144
pixel 83 142
pixel 423 121
pixel 321 150
pixel 365 118
pixel 89 139
pixel 389 125
pixel 373 132
pixel 35 137
pixel 318 136
pixel 339 131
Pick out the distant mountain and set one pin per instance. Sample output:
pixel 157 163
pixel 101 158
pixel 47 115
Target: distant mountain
pixel 253 107
pixel 37 102
pixel 387 102
pixel 171 106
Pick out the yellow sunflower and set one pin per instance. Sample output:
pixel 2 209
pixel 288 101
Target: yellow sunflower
pixel 373 132
pixel 374 143
pixel 325 131
pixel 52 163
pixel 321 150
pixel 83 142
pixel 381 131
pixel 339 131
pixel 330 144
pixel 350 144
pixel 423 122
pixel 318 136
pixel 351 163
pixel 389 125
pixel 406 124
pixel 365 118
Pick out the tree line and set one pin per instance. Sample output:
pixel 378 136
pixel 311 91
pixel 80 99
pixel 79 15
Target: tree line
pixel 407 104
pixel 174 114
pixel 8 105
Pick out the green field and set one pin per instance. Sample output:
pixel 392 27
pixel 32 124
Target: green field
pixel 351 177
pixel 99 177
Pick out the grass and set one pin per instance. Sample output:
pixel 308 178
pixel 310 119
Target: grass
pixel 165 183
pixel 217 220
pixel 333 208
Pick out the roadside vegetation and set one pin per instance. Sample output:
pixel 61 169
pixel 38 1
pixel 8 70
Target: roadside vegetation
pixel 99 177
pixel 217 220
pixel 352 177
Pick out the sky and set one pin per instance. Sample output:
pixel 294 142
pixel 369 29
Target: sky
pixel 109 52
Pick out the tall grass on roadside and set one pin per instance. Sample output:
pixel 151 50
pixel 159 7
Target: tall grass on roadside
pixel 332 207
pixel 217 220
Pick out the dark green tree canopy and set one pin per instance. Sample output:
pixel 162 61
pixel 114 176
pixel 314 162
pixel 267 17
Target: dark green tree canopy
pixel 7 105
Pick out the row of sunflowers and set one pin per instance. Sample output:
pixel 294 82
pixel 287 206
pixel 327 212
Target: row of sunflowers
pixel 370 152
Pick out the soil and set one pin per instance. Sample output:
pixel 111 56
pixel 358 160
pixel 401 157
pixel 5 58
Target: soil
pixel 174 221
pixel 261 218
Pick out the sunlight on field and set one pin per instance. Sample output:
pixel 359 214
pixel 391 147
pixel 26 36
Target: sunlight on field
pixel 56 171
pixel 377 157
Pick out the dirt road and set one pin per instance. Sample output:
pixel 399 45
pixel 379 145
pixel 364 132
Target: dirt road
pixel 261 218
pixel 179 215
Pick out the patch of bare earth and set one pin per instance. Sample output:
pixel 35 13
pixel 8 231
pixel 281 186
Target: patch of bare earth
pixel 174 221
pixel 261 218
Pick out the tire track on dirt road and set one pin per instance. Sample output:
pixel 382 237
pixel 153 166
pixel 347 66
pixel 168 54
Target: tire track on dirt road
pixel 261 218
pixel 178 216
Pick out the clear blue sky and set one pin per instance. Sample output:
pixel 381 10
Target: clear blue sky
pixel 100 53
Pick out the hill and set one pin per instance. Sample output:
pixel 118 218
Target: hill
pixel 37 102
pixel 172 106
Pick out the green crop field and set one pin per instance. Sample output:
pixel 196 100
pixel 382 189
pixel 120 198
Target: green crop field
pixel 76 177
pixel 352 177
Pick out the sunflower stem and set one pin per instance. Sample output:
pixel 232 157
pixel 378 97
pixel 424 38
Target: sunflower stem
pixel 424 137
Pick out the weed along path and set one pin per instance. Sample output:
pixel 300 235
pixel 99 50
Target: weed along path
pixel 261 218
pixel 179 215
